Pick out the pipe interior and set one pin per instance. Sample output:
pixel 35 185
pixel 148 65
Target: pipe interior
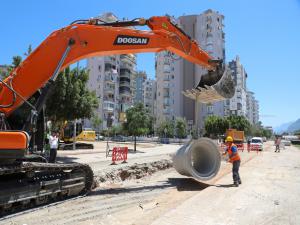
pixel 203 160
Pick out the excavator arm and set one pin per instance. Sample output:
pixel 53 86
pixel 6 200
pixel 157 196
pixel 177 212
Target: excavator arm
pixel 90 38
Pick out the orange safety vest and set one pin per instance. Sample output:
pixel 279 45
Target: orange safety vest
pixel 232 157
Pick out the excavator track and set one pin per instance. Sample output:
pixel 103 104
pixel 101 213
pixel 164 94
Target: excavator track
pixel 24 185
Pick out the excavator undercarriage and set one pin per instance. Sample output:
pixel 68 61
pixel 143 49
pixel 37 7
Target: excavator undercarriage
pixel 27 184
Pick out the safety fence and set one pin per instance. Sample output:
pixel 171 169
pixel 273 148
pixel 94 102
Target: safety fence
pixel 242 147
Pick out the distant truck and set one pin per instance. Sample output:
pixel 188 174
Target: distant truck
pixel 237 135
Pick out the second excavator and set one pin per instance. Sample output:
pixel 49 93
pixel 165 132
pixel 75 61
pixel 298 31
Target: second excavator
pixel 26 181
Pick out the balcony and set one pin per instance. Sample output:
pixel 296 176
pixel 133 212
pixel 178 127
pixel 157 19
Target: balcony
pixel 167 62
pixel 124 90
pixel 109 89
pixel 166 85
pixel 167 95
pixel 167 111
pixel 124 83
pixel 167 78
pixel 109 67
pixel 125 73
pixel 109 77
pixel 108 106
pixel 209 35
pixel 167 102
pixel 128 59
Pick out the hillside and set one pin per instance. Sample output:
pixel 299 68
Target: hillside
pixel 294 126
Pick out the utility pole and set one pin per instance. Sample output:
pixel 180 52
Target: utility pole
pixel 74 136
pixel 74 132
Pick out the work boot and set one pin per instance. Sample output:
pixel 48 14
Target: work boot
pixel 236 184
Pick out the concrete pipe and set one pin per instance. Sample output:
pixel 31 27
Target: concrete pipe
pixel 199 159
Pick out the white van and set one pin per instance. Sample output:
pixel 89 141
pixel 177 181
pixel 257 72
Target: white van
pixel 257 142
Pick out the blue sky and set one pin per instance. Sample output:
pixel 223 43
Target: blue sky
pixel 265 34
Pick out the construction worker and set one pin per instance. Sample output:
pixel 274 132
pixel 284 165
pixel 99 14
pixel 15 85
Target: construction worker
pixel 235 159
pixel 277 144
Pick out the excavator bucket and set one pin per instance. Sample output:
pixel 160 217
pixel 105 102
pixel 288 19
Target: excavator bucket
pixel 214 86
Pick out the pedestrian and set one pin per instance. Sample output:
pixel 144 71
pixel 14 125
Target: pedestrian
pixel 235 159
pixel 249 145
pixel 53 140
pixel 277 144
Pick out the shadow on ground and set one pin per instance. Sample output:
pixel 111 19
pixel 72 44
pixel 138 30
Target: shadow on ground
pixel 187 184
pixel 66 159
pixel 224 185
pixel 182 184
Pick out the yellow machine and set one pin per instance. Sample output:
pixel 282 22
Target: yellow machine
pixel 237 135
pixel 81 134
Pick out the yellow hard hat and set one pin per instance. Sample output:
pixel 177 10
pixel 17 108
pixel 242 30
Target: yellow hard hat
pixel 229 139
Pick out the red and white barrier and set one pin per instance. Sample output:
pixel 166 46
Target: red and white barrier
pixel 118 154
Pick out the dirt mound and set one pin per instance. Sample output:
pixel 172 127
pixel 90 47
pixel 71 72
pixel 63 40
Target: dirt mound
pixel 135 171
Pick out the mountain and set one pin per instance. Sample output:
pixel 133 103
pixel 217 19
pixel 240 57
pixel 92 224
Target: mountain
pixel 294 126
pixel 282 128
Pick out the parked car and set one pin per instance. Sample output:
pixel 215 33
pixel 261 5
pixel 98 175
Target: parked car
pixel 286 142
pixel 99 137
pixel 257 142
pixel 119 138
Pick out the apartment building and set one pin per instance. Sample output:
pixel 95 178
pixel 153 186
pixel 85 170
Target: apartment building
pixel 252 108
pixel 140 79
pixel 150 96
pixel 111 78
pixel 175 75
pixel 127 73
pixel 237 105
pixel 168 88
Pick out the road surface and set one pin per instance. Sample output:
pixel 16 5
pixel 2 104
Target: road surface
pixel 269 195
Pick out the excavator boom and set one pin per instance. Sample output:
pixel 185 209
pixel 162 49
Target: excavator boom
pixel 87 39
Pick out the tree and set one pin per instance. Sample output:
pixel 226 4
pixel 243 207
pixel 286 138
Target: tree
pixel 166 129
pixel 151 124
pixel 215 125
pixel 137 121
pixel 96 121
pixel 181 127
pixel 297 132
pixel 70 99
pixel 239 123
pixel 16 61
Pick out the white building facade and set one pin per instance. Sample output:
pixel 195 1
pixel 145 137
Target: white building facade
pixel 111 78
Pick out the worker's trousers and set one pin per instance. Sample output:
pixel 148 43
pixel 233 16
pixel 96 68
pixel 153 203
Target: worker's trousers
pixel 235 171
pixel 53 152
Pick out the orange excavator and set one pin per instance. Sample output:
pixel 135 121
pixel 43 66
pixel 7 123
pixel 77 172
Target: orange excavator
pixel 26 180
